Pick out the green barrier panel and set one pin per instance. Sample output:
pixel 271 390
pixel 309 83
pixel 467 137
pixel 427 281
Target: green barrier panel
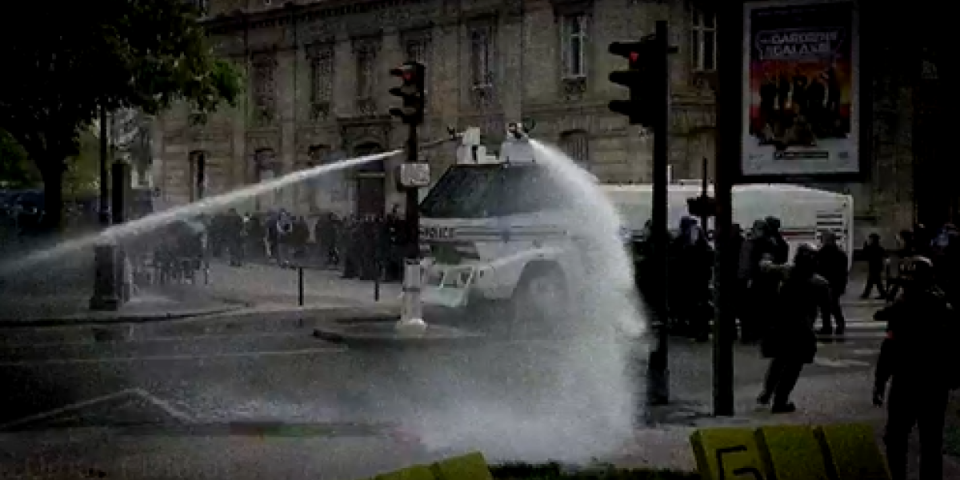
pixel 467 467
pixel 724 453
pixel 851 452
pixel 792 452
pixel 417 472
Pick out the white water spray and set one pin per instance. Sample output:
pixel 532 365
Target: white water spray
pixel 206 205
pixel 583 397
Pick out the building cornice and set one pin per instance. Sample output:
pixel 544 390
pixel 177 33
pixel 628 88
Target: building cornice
pixel 289 12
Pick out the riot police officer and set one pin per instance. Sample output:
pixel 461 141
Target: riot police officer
pixel 916 358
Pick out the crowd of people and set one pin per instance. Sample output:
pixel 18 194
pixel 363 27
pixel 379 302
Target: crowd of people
pixel 362 246
pixel 691 268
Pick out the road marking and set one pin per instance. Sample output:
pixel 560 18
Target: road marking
pixel 865 351
pixel 827 362
pixel 161 358
pixel 163 338
pixel 130 392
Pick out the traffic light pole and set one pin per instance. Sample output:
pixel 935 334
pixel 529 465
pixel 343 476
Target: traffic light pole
pixel 657 371
pixel 729 152
pixel 413 201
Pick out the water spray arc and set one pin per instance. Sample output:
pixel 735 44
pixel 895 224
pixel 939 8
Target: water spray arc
pixel 116 233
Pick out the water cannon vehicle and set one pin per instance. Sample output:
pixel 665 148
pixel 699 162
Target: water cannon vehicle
pixel 494 228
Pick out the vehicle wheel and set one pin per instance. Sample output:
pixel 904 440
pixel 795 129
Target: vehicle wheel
pixel 541 302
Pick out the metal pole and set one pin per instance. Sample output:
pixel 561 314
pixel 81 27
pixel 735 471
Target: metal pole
pixel 704 186
pixel 658 372
pixel 300 286
pixel 729 137
pixel 411 317
pixel 104 214
pixel 376 282
pixel 413 201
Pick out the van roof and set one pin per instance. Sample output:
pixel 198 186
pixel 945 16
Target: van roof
pixel 768 188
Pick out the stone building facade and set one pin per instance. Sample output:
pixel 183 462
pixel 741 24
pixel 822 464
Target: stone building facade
pixel 318 81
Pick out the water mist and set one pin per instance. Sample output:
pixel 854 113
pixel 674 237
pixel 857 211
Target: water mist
pixel 574 398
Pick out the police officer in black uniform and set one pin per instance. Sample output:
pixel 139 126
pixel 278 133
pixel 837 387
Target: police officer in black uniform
pixel 921 330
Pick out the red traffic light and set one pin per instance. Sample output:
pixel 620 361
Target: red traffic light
pixel 634 56
pixel 409 71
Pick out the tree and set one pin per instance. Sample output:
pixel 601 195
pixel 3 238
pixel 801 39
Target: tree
pixel 16 171
pixel 142 54
pixel 81 178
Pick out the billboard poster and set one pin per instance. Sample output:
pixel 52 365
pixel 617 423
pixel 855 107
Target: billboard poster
pixel 800 80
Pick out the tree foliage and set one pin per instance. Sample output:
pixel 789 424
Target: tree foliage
pixel 141 54
pixel 16 171
pixel 81 177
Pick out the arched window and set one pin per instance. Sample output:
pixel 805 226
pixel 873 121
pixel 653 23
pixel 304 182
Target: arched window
pixel 576 144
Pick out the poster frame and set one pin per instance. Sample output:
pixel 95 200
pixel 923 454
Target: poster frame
pixel 862 122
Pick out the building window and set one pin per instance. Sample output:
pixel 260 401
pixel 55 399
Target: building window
pixel 573 39
pixel 481 57
pixel 703 42
pixel 366 56
pixel 418 49
pixel 264 88
pixel 321 81
pixel 576 144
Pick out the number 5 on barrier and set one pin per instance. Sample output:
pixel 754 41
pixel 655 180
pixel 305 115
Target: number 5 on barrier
pixel 752 472
pixel 727 454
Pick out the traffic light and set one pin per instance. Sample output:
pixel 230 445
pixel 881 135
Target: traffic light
pixel 412 92
pixel 702 206
pixel 641 78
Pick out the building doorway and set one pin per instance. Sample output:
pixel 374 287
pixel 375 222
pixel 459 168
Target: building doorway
pixel 371 180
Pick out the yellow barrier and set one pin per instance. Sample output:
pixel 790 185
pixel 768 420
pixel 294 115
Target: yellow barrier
pixel 833 452
pixel 467 467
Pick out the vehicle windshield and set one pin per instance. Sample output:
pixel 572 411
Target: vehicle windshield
pixel 479 191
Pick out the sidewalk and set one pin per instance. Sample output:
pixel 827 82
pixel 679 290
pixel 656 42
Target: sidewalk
pixel 269 286
pixel 73 308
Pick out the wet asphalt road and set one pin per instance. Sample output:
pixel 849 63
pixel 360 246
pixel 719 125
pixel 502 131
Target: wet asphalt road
pixel 290 376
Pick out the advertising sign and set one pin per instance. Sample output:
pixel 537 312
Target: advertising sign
pixel 801 106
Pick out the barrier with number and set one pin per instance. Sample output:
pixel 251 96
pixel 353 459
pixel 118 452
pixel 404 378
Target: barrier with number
pixel 467 467
pixel 788 452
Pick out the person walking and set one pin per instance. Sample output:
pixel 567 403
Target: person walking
pixel 917 359
pixel 790 341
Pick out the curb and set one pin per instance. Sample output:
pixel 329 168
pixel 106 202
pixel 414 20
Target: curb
pixel 338 332
pixel 108 319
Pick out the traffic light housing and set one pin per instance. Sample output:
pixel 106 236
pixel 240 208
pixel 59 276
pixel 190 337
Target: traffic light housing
pixel 411 91
pixel 641 78
pixel 702 206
